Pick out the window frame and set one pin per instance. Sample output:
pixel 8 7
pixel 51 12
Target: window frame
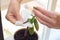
pixel 51 7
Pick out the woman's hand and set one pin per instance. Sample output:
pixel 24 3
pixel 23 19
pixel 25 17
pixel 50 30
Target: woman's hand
pixel 51 19
pixel 13 13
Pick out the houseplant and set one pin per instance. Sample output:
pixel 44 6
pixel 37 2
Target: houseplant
pixel 28 33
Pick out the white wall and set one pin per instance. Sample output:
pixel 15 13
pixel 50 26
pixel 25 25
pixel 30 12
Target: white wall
pixel 5 3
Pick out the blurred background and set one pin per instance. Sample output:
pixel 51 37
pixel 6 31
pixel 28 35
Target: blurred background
pixel 44 32
pixel 5 3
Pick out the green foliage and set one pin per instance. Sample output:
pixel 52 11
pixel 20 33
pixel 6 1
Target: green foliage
pixel 33 21
pixel 31 30
pixel 36 24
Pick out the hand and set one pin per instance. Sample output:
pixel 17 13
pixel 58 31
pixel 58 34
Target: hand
pixel 13 13
pixel 48 18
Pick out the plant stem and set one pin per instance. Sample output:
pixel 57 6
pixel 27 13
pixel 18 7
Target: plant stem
pixel 25 22
pixel 26 31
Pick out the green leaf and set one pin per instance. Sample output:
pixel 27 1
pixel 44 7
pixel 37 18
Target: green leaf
pixel 31 30
pixel 32 19
pixel 29 20
pixel 36 24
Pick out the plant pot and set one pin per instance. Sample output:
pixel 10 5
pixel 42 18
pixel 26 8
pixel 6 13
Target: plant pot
pixel 23 34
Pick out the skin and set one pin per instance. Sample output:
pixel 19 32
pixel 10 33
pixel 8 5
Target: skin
pixel 48 18
pixel 13 13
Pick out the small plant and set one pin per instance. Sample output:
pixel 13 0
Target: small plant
pixel 28 33
pixel 34 23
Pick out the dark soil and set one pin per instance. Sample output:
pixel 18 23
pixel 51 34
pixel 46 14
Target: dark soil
pixel 21 35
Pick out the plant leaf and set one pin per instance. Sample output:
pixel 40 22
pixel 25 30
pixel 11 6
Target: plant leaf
pixel 36 24
pixel 29 20
pixel 32 19
pixel 31 30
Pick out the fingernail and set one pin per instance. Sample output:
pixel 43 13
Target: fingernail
pixel 34 7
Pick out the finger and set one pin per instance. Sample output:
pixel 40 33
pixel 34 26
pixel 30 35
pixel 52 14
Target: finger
pixel 11 18
pixel 45 12
pixel 17 13
pixel 43 17
pixel 45 23
pixel 18 17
